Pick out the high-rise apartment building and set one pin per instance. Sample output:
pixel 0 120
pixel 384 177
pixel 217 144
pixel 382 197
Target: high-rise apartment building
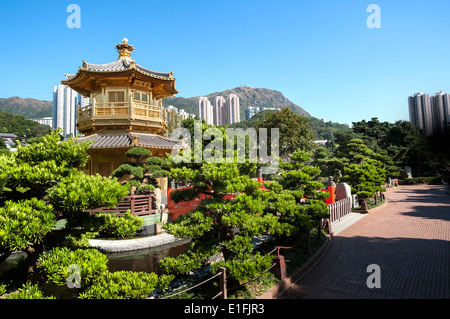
pixel 83 101
pixel 420 111
pixel 205 110
pixel 64 110
pixel 430 113
pixel 223 112
pixel 233 109
pixel 220 111
pixel 440 107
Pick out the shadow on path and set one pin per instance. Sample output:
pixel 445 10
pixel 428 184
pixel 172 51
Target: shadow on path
pixel 410 242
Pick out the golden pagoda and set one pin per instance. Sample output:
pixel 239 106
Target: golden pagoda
pixel 125 109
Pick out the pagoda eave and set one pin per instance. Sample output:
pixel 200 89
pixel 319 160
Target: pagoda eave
pixel 85 82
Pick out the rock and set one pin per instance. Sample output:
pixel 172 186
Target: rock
pixel 343 191
pixel 157 201
pixel 408 171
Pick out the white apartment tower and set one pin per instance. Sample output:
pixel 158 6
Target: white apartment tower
pixel 64 110
pixel 205 110
pixel 220 111
pixel 420 112
pixel 233 109
pixel 224 111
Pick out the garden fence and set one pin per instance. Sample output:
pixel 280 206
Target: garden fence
pixel 340 209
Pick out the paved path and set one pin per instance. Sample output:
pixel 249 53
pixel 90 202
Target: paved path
pixel 409 239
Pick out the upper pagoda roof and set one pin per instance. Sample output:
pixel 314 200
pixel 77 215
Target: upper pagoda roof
pixel 124 66
pixel 118 66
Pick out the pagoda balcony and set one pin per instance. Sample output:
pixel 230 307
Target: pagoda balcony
pixel 106 115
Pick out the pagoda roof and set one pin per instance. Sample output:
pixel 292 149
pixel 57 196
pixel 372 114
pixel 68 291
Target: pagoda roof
pixel 128 140
pixel 118 66
pixel 89 75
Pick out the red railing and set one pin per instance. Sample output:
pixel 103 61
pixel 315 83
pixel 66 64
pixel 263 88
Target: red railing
pixel 178 209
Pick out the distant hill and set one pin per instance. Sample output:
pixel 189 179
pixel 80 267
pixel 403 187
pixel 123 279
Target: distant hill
pixel 28 107
pixel 322 130
pixel 247 97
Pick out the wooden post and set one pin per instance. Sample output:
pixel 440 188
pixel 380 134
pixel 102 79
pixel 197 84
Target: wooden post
pixel 223 282
pixel 150 203
pixel 132 204
pixel 279 270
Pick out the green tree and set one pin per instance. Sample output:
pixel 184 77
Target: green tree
pixel 40 185
pixel 142 170
pixel 226 225
pixel 294 130
pixel 363 170
pixel 220 224
pixel 372 129
pixel 299 202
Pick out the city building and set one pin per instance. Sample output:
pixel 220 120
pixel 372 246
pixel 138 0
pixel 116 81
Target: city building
pixel 44 120
pixel 83 101
pixel 431 113
pixel 251 111
pixel 205 110
pixel 220 111
pixel 440 108
pixel 175 117
pixel 125 110
pixel 223 112
pixel 233 109
pixel 420 111
pixel 64 110
pixel 185 115
pixel 181 112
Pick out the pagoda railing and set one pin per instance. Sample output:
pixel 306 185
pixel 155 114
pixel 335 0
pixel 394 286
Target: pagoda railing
pixel 141 109
pixel 112 108
pixel 121 109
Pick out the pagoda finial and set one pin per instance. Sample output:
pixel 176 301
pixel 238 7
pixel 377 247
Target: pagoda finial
pixel 124 50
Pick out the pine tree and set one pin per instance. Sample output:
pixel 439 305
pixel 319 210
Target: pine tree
pixel 41 185
pixel 363 170
pixel 142 170
pixel 236 210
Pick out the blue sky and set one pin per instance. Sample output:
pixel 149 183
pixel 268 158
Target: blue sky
pixel 320 54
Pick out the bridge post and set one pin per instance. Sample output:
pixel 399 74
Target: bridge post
pixel 279 270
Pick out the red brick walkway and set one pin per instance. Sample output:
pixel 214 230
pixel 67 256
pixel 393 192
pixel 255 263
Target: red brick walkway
pixel 409 239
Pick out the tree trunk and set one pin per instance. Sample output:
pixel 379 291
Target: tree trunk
pixel 225 234
pixel 33 274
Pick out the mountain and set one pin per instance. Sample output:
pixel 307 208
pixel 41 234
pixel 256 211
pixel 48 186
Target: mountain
pixel 247 97
pixel 28 107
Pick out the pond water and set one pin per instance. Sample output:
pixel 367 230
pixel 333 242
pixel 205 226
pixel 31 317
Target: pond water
pixel 144 260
